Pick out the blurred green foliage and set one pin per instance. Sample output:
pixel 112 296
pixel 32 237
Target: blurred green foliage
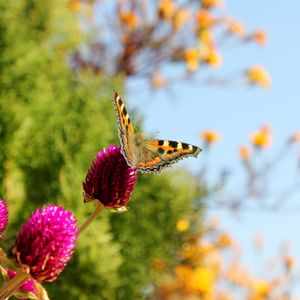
pixel 53 121
pixel 148 233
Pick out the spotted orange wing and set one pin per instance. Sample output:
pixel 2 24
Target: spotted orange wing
pixel 147 155
pixel 159 154
pixel 126 130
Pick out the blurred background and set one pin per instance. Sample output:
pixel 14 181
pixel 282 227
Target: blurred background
pixel 222 75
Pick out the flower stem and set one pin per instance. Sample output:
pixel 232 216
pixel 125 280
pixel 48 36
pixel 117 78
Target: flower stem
pixel 92 217
pixel 12 285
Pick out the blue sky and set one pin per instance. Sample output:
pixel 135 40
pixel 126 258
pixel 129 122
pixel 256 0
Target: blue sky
pixel 189 108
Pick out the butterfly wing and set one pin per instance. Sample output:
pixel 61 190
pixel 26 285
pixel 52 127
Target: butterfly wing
pixel 156 155
pixel 126 130
pixel 147 155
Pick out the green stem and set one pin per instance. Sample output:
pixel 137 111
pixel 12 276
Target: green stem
pixel 92 217
pixel 12 285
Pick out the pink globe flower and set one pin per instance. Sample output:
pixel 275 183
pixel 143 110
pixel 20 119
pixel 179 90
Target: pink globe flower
pixel 110 180
pixel 46 242
pixel 28 286
pixel 3 216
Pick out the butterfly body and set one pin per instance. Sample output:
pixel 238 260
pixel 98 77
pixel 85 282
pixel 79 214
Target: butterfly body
pixel 148 155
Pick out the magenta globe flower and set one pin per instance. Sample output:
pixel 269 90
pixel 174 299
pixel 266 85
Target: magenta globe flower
pixel 46 242
pixel 27 286
pixel 110 180
pixel 3 216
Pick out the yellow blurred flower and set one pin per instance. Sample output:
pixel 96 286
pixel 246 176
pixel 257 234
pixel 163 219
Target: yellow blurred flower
pixel 261 289
pixel 201 280
pixel 210 136
pixel 159 264
pixel 74 5
pixel 259 241
pixel 129 18
pixel 211 3
pixel 238 275
pixel 224 240
pixel 195 252
pixel 266 129
pixel 289 262
pixel 192 58
pixel 245 152
pixel 261 138
pixel 166 9
pixel 204 19
pixel 236 28
pixel 179 18
pixel 205 36
pixel 215 262
pixel 295 137
pixel 188 250
pixel 257 75
pixel 260 37
pixel 213 58
pixel 183 272
pixel 205 248
pixel 182 225
pixel 158 81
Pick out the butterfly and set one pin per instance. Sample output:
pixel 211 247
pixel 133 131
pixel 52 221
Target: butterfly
pixel 147 155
